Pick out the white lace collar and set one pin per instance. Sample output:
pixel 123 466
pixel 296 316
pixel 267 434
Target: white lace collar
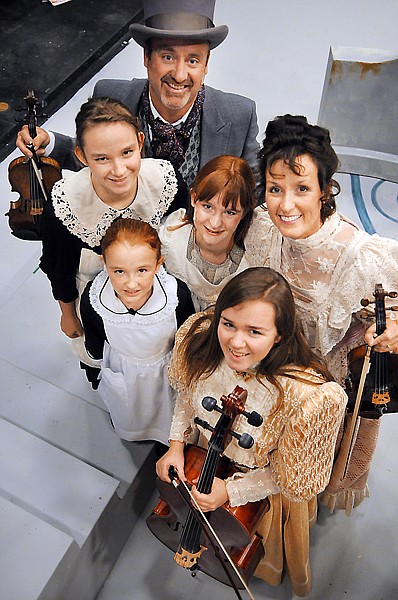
pixel 319 238
pixel 87 217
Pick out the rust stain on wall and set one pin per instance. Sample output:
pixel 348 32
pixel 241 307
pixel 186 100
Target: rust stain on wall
pixel 356 68
pixel 373 68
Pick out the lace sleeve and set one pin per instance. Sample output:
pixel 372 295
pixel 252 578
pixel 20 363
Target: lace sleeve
pixel 252 486
pixel 259 238
pixel 303 461
pixel 182 426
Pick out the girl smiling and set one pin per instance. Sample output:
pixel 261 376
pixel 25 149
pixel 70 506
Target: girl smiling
pixel 252 338
pixel 130 313
pixel 115 182
pixel 206 244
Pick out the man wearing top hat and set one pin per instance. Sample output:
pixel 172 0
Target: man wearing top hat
pixel 184 121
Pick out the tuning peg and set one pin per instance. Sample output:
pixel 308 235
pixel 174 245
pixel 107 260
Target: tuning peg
pixel 366 302
pixel 253 418
pixel 209 403
pixel 244 440
pixel 203 424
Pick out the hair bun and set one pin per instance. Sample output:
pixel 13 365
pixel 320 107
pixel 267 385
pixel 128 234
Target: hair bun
pixel 289 130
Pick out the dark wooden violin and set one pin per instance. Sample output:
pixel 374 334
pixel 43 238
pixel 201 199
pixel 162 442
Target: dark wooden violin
pixel 175 523
pixel 33 179
pixel 380 387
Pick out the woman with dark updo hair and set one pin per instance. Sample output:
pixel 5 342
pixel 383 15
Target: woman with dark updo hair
pixel 328 261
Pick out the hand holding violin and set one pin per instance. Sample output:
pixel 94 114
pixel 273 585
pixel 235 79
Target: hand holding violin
pixel 174 457
pixel 385 342
pixel 217 497
pixel 40 142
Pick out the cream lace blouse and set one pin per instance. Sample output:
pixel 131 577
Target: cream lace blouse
pixel 329 273
pixel 183 260
pixel 294 447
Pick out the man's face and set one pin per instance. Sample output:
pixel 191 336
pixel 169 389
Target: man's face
pixel 176 72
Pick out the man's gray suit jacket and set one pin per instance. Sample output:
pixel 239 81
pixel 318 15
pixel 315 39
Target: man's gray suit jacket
pixel 229 122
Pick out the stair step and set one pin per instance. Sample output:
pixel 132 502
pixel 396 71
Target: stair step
pixel 43 349
pixel 51 484
pixel 31 551
pixel 69 423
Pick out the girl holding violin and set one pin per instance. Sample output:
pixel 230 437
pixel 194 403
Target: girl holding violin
pixel 252 337
pixel 328 261
pixel 115 182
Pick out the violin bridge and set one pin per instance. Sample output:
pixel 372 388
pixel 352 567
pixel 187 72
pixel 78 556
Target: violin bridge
pixel 380 397
pixel 188 560
pixel 36 211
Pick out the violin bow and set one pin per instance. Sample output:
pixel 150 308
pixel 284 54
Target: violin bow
pixel 34 161
pixel 364 372
pixel 209 531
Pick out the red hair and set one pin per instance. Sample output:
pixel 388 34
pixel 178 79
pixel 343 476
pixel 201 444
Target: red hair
pixel 132 231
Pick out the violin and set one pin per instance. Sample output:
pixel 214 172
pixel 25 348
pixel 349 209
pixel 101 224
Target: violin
pixel 380 388
pixel 174 522
pixel 33 179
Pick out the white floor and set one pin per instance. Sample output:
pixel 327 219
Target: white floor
pixel 276 53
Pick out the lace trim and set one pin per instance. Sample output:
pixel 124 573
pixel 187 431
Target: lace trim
pixel 213 273
pixel 329 272
pixel 157 200
pixel 123 318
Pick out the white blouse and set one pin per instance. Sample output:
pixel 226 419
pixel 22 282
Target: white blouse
pixel 329 273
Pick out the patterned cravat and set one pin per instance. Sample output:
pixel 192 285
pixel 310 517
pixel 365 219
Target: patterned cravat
pixel 169 142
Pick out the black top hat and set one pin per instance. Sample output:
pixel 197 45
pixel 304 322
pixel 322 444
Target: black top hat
pixel 190 20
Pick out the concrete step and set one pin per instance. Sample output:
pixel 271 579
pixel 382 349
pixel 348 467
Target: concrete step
pixel 30 324
pixel 74 512
pixel 31 550
pixel 51 484
pixel 70 423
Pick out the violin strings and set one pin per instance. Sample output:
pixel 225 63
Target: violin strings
pixel 220 544
pixel 190 539
pixel 34 190
pixel 380 371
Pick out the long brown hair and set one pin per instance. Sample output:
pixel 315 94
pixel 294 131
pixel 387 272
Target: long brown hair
pixel 201 348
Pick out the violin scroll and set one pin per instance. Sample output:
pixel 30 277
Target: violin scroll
pixel 378 294
pixel 209 403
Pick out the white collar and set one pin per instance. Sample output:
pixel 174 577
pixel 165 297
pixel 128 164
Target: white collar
pixel 155 303
pixel 319 238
